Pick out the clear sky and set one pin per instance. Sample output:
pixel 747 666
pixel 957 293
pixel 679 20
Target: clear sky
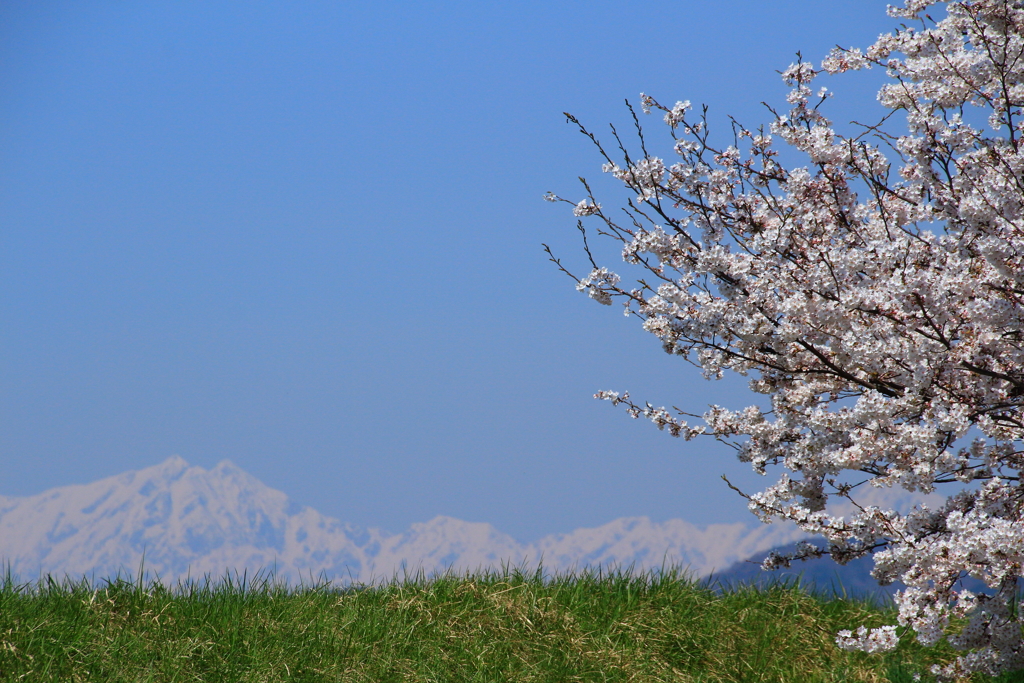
pixel 306 237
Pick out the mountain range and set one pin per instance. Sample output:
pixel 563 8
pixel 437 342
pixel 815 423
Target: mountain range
pixel 188 522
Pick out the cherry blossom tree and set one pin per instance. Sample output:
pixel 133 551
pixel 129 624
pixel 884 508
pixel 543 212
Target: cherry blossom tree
pixel 874 294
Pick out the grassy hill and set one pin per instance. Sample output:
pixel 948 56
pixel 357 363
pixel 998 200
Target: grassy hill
pixel 504 626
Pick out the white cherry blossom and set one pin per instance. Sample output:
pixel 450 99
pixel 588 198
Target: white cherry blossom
pixel 875 294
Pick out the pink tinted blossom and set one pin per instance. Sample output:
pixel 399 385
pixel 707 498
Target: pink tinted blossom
pixel 875 294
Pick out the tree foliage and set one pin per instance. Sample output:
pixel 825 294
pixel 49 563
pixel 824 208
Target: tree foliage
pixel 875 294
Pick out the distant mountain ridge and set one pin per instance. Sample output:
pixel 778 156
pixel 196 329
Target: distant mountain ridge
pixel 192 522
pixel 822 575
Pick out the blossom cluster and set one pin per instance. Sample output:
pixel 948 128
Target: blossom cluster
pixel 876 296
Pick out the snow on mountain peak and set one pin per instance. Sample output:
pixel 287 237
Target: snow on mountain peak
pixel 191 522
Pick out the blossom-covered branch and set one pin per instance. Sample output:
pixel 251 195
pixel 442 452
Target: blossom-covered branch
pixel 875 294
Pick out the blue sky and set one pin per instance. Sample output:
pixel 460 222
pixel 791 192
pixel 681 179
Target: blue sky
pixel 306 237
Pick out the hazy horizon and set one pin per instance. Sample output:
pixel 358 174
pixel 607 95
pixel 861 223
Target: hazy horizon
pixel 307 238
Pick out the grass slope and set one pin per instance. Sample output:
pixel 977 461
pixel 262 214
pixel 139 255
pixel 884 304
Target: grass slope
pixel 504 626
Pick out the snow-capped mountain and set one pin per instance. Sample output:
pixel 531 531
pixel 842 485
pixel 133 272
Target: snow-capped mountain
pixel 191 522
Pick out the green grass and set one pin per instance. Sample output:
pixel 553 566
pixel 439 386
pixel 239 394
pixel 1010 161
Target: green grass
pixel 504 626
